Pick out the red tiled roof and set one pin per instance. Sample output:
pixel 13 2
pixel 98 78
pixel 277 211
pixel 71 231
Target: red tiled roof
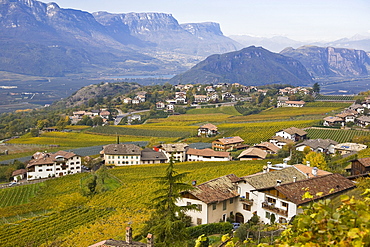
pixel 230 140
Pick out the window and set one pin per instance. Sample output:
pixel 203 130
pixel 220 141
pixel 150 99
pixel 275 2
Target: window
pixel 214 206
pixel 199 221
pixel 268 215
pixel 231 200
pixel 247 195
pixel 188 203
pixel 119 162
pixel 284 204
pixel 271 200
pixel 40 170
pixel 199 206
pixel 77 162
pixel 224 205
pixel 247 207
pixel 224 217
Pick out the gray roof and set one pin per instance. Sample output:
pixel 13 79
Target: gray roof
pixel 317 143
pixel 265 180
pixel 150 154
pixel 122 149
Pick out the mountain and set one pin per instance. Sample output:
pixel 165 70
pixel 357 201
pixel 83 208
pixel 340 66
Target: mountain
pixel 162 32
pixel 249 66
pixel 43 39
pixel 329 61
pixel 275 44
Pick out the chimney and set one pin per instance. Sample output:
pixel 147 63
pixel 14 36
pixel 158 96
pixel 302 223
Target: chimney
pixel 314 171
pixel 308 163
pixel 265 169
pixel 294 179
pixel 278 182
pixel 128 235
pixel 150 240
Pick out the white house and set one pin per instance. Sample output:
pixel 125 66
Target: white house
pixel 121 154
pixel 207 130
pixel 207 155
pixel 292 133
pixel 278 192
pixel 45 165
pixel 216 200
pixel 175 150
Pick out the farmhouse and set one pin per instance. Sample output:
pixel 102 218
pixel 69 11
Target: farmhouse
pixel 207 130
pixel 19 174
pixel 207 155
pixel 268 147
pixel 280 141
pixel 359 166
pixel 293 134
pixel 290 103
pixel 149 156
pixel 252 154
pixel 176 151
pixel 121 154
pixel 333 121
pixel 45 165
pixel 215 200
pixel 363 121
pixel 228 143
pixel 318 145
pixel 275 191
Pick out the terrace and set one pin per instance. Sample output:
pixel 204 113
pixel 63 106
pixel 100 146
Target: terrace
pixel 271 207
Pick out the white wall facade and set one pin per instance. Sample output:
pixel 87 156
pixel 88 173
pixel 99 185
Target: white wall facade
pixel 192 157
pixel 285 135
pixel 122 160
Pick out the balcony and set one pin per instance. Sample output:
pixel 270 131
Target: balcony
pixel 271 207
pixel 246 201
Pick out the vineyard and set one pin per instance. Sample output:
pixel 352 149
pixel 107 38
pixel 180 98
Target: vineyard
pixel 335 134
pixel 17 195
pixel 335 98
pixel 110 130
pixel 69 219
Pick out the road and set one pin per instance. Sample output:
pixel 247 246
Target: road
pixel 122 115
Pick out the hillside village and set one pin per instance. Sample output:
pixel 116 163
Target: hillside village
pixel 274 194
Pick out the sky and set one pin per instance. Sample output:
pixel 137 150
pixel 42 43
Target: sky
pixel 301 20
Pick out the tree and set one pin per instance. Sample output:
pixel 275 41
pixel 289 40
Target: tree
pixel 97 121
pixel 316 88
pixel 168 220
pixel 316 159
pixel 321 224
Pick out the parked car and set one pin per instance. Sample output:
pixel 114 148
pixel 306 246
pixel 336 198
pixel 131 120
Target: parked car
pixel 12 183
pixel 236 226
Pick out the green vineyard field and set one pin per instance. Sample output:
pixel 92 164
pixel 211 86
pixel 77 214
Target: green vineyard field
pixel 335 134
pixel 17 195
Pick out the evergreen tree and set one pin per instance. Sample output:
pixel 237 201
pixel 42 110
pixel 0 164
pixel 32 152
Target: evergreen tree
pixel 316 88
pixel 168 220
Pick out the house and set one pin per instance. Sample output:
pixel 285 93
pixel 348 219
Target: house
pixel 134 117
pixel 291 103
pixel 216 200
pixel 331 121
pixel 127 100
pixel 121 154
pixel 357 107
pixel 293 134
pixel 228 143
pixel 160 105
pixel 207 130
pixel 348 147
pixel 228 97
pixel 45 165
pixel 360 166
pixel 285 200
pixel 19 174
pixel 201 98
pixel 104 114
pixel 318 145
pixel 252 154
pixel 347 116
pixel 128 243
pixel 268 147
pixel 363 121
pixel 207 154
pixel 241 198
pixel 149 156
pixel 180 98
pixel 176 151
pixel 170 108
pixel 280 141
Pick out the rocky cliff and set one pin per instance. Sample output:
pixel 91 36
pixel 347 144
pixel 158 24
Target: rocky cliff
pixel 329 61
